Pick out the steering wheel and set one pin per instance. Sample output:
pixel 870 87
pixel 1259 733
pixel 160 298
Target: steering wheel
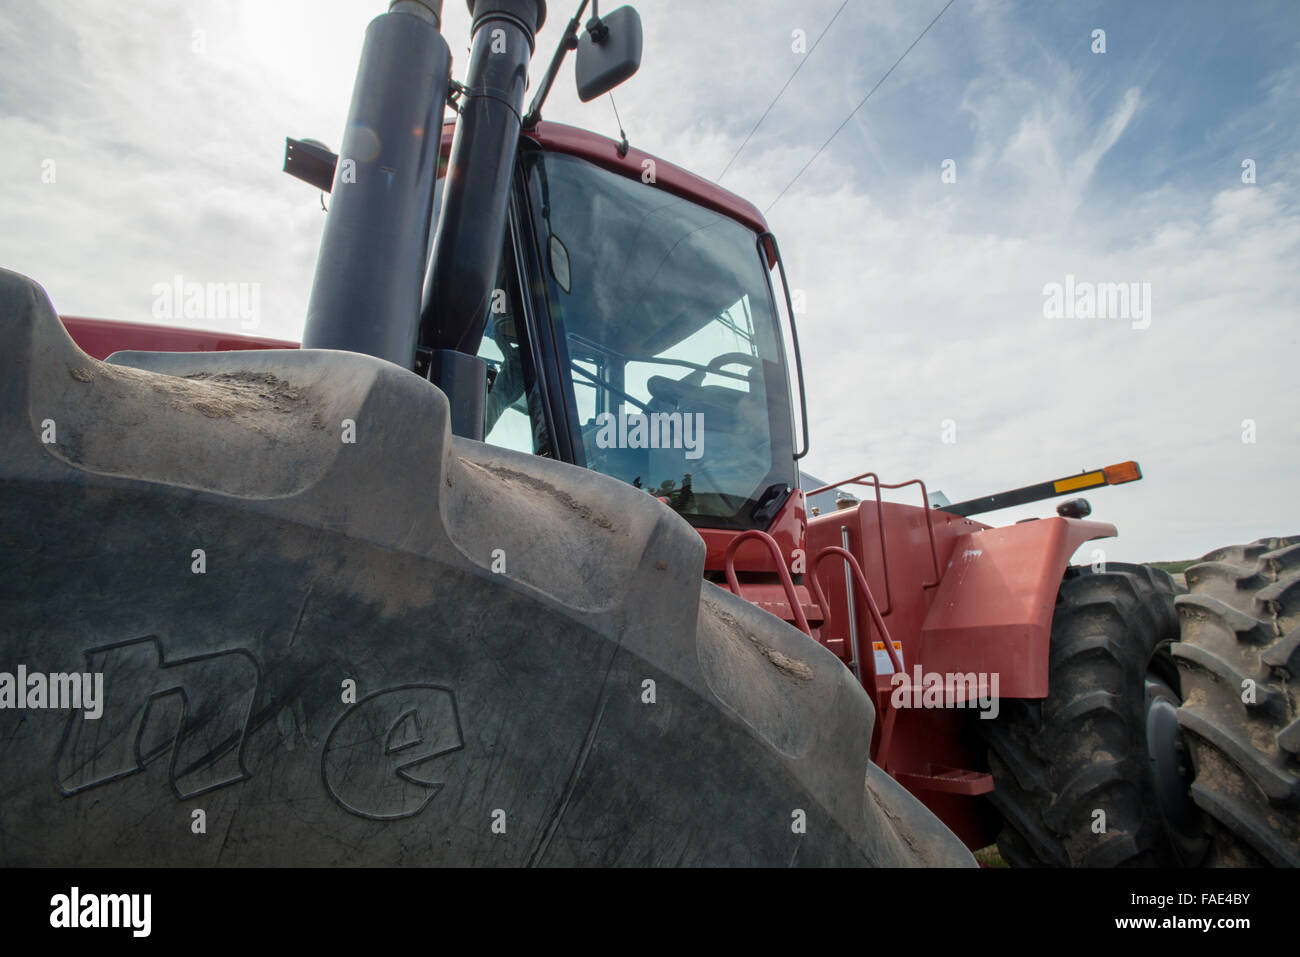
pixel 729 358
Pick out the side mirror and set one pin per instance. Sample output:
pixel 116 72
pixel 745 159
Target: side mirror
pixel 606 62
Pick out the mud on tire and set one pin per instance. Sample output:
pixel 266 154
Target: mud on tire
pixel 1240 659
pixel 1084 748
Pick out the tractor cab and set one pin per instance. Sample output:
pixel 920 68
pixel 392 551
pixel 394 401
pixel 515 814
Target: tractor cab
pixel 636 332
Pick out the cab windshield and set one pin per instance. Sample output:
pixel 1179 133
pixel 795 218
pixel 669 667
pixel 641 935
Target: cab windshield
pixel 663 313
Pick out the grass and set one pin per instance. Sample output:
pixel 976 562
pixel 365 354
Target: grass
pixel 1175 568
pixel 989 856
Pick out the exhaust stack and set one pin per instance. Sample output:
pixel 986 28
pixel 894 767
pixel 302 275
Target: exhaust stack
pixel 365 296
pixel 472 223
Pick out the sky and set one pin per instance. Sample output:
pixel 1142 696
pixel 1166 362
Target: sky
pixel 1007 151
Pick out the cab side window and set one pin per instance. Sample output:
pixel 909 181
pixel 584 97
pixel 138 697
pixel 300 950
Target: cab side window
pixel 514 417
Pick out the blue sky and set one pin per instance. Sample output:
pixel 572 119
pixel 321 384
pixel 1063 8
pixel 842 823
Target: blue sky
pixel 925 298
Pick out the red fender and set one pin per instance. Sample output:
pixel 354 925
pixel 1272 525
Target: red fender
pixel 993 610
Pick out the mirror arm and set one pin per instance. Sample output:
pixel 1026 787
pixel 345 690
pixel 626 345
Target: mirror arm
pixel 596 26
pixel 568 42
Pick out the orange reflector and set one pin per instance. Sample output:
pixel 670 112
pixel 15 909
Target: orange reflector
pixel 1087 480
pixel 1123 472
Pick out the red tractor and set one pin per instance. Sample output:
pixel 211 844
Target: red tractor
pixel 436 576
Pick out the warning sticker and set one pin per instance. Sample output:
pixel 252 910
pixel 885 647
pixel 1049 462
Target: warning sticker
pixel 883 665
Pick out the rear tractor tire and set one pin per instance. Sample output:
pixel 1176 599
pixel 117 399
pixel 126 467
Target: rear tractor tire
pixel 1240 659
pixel 1095 774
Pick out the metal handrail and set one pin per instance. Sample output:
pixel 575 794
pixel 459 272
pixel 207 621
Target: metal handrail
pixel 801 620
pixel 880 521
pixel 859 579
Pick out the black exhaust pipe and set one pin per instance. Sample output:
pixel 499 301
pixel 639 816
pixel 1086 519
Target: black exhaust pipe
pixel 366 293
pixel 471 225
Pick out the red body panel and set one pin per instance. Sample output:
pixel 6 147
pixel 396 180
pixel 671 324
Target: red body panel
pixel 896 584
pixel 981 602
pixel 993 611
pixel 771 597
pixel 604 152
pixel 927 742
pixel 102 337
pixel 788 528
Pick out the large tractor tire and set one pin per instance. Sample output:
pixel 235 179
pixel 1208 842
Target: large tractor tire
pixel 320 630
pixel 1094 775
pixel 1240 661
